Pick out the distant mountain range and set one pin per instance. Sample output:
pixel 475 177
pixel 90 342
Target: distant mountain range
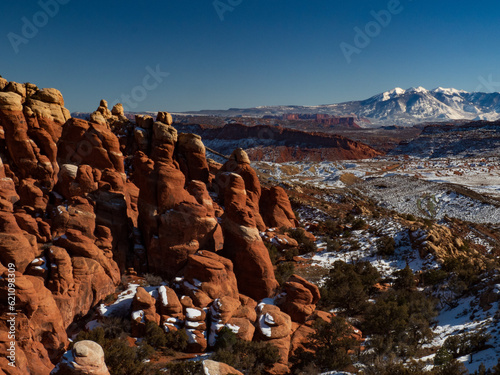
pixel 394 107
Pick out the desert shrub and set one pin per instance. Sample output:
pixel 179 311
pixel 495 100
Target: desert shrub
pixel 333 245
pixel 184 368
pixel 155 336
pixel 495 370
pixel 273 252
pixel 358 224
pixel 116 327
pixel 434 276
pixel 348 286
pixel 467 343
pixel 405 279
pixel 305 244
pixel 453 367
pixel 354 245
pixel 283 271
pixel 465 272
pixel 331 228
pixel 428 222
pixel 168 342
pixel 386 246
pixel 248 357
pixel 482 370
pixel 410 217
pixel 442 356
pixel 400 319
pixel 291 253
pixel 330 344
pixel 226 339
pixel 177 340
pixel 109 298
pixel 391 366
pixel 152 280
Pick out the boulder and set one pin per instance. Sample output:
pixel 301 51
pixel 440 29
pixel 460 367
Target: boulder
pixel 144 121
pixel 85 358
pixel 196 330
pixel 17 88
pixel 212 274
pixel 143 311
pixel 11 101
pixel 49 96
pixel 218 368
pixel 274 327
pixel 164 117
pixel 168 303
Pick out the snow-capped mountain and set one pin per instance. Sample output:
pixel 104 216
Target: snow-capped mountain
pixel 421 105
pixel 397 107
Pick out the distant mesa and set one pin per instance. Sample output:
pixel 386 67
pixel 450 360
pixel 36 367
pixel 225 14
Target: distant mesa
pixel 472 139
pixel 279 144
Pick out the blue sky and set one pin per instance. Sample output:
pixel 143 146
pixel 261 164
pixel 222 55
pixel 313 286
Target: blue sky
pixel 262 52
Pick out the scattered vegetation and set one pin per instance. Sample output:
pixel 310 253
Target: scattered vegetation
pixel 283 271
pixel 249 357
pixel 386 246
pixel 121 358
pixel 168 342
pixel 329 347
pixel 400 319
pixel 466 343
pixel 183 368
pixel 305 244
pixel 284 267
pixel 152 280
pixel 348 286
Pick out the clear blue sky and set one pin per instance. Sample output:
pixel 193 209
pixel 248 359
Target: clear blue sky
pixel 264 52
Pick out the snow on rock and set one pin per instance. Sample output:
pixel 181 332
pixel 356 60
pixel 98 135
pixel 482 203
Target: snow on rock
pixel 264 321
pixel 192 314
pixel 162 291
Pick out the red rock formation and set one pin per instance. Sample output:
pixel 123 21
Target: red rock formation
pixel 175 222
pixel 15 246
pixel 25 154
pixel 39 330
pixel 242 242
pixel 143 311
pixel 275 327
pixel 239 163
pixel 298 298
pixel 211 274
pixel 89 143
pixel 276 209
pixel 191 157
pixel 195 328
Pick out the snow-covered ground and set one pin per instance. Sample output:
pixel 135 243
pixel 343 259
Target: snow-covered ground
pixel 400 183
pixel 478 174
pixel 458 320
pixel 404 253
